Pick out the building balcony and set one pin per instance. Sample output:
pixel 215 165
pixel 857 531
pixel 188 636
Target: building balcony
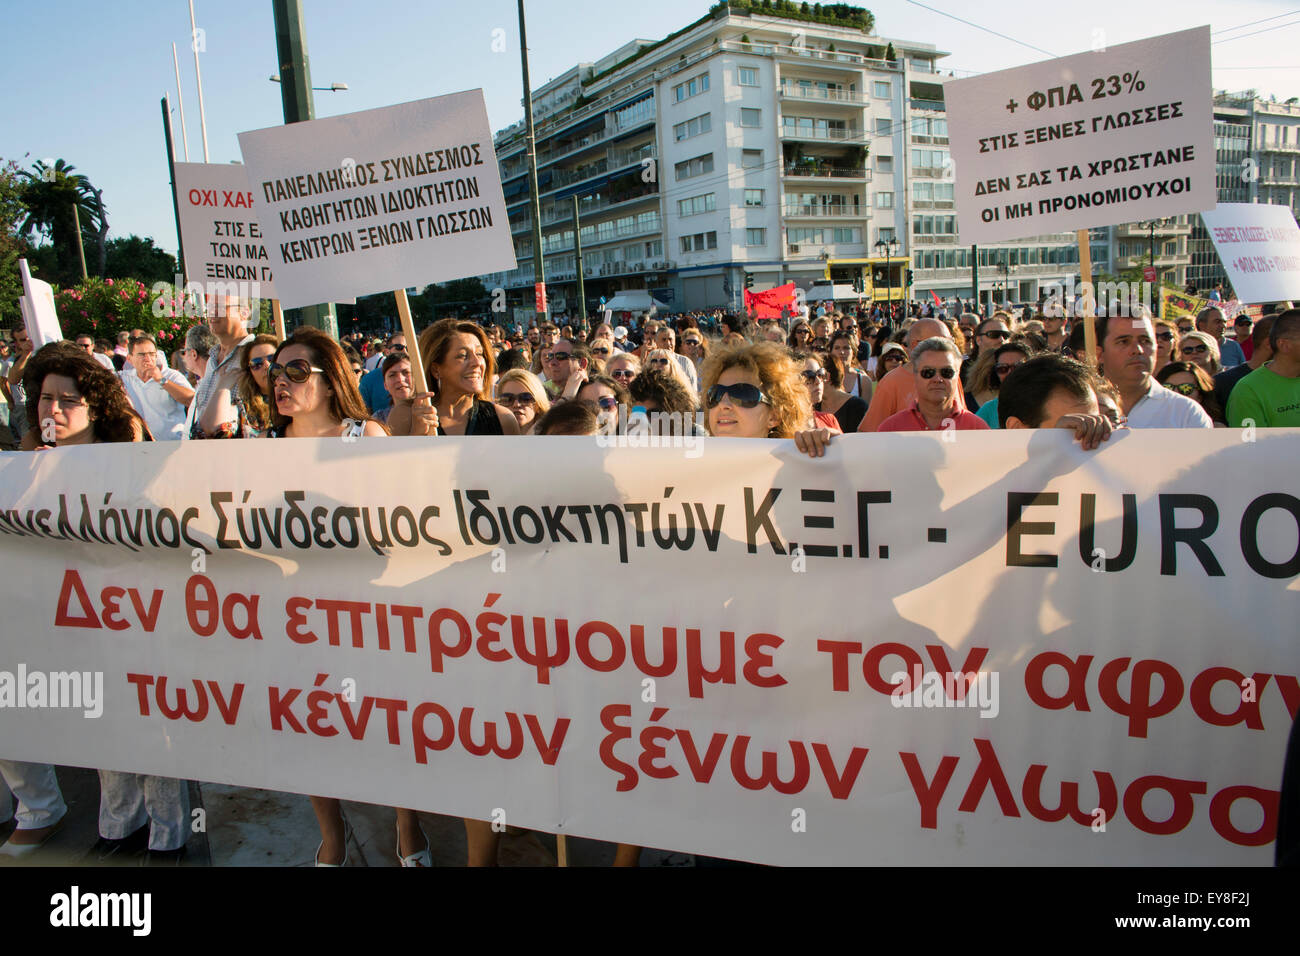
pixel 1133 230
pixel 933 204
pixel 847 97
pixel 798 211
pixel 823 171
pixel 794 133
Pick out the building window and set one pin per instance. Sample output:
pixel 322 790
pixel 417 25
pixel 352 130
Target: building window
pixel 886 234
pixel 884 200
pixel 750 117
pixel 751 158
pixel 748 76
pixel 692 127
pixel 755 237
pixel 885 164
pixel 696 205
pixel 694 167
pixel 884 126
pixel 692 87
pixel 844 234
pixel 881 89
pixel 811 234
pixel 700 242
pixel 654 249
pixel 753 197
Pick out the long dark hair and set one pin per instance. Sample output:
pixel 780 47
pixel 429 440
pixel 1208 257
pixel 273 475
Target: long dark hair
pixel 256 405
pixel 1204 385
pixel 326 354
pixel 112 418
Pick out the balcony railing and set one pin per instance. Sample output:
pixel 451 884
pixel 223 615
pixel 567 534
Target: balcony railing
pixel 827 172
pixel 790 131
pixel 797 210
pixel 813 93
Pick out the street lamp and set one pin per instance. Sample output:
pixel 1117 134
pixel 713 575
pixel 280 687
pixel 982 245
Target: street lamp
pixel 888 248
pixel 332 88
pixel 1005 267
pixel 1151 225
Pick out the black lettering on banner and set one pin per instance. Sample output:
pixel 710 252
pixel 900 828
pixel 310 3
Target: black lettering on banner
pixel 1017 527
pixel 1171 535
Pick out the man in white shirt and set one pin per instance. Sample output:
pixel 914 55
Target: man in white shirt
pixel 228 318
pixel 161 396
pixel 1126 355
pixel 87 345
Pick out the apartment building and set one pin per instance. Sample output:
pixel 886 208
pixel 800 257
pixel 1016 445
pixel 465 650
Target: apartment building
pixel 748 144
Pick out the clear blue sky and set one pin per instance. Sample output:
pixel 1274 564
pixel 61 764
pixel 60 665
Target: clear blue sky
pixel 83 79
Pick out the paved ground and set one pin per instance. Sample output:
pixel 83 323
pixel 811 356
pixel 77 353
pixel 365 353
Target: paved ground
pixel 245 827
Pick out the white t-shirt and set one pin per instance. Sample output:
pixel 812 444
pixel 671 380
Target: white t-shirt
pixel 164 415
pixel 1161 407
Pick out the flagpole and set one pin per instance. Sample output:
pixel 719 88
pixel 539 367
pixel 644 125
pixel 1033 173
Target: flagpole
pixel 198 76
pixel 180 103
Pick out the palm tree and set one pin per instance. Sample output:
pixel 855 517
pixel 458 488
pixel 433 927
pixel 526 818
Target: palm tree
pixel 50 193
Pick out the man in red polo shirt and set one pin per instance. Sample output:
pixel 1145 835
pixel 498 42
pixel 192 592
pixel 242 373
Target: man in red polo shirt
pixel 937 406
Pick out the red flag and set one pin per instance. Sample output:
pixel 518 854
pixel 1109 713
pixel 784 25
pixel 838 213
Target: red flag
pixel 937 303
pixel 769 303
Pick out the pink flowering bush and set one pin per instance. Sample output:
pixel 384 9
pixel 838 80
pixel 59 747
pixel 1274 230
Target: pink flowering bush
pixel 104 307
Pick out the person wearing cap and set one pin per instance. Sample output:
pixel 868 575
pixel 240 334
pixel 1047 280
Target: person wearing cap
pixel 1241 328
pixel 620 339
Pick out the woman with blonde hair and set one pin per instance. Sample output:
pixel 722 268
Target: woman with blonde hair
pixel 662 360
pixel 1201 349
pixel 521 392
pixel 755 391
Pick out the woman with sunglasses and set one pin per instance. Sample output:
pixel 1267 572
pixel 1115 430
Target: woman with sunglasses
pixel 521 393
pixel 605 393
pixel 814 379
pixel 1166 338
pixel 982 379
pixel 989 334
pixel 1190 379
pixel 665 362
pixel 1005 358
pixel 800 336
pixel 248 379
pixel 891 356
pixel 935 364
pixel 458 364
pixel 1201 349
pixel 755 391
pixel 623 367
pixel 695 346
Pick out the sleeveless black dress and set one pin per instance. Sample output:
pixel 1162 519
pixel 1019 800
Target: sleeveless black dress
pixel 482 420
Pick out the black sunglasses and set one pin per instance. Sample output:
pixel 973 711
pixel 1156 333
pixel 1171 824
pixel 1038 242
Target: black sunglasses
pixel 811 375
pixel 997 334
pixel 1166 336
pixel 1003 367
pixel 561 356
pixel 744 395
pixel 398 348
pixel 297 371
pixel 523 399
pixel 257 363
pixel 947 372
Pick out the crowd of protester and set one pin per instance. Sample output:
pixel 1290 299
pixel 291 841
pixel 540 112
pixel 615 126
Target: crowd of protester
pixel 717 373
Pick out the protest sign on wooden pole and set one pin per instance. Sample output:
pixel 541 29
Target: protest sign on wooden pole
pixel 412 343
pixel 277 317
pixel 1084 303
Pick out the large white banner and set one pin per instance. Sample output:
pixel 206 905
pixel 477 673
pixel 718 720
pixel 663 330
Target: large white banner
pixel 1115 135
pixel 726 648
pixel 1259 246
pixel 380 200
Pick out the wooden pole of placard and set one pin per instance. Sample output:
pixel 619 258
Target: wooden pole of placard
pixel 561 850
pixel 277 316
pixel 412 343
pixel 1085 277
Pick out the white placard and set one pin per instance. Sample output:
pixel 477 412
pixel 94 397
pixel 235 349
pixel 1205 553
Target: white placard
pixel 1259 246
pixel 412 623
pixel 1116 135
pixel 220 231
pixel 39 314
pixel 380 200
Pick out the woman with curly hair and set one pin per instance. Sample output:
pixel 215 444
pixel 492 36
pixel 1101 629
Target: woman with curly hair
pixel 755 391
pixel 73 400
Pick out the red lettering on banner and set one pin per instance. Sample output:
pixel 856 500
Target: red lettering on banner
pixel 928 794
pixel 72 586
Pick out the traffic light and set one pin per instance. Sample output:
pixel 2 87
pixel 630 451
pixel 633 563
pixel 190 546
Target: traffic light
pixel 909 277
pixel 749 280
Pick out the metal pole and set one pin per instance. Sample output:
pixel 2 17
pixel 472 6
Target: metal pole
pixel 81 249
pixel 171 173
pixel 180 103
pixel 203 121
pixel 577 252
pixel 296 99
pixel 539 269
pixel 975 275
pixel 889 295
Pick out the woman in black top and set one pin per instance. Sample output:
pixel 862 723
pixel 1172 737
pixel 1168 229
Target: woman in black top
pixel 459 367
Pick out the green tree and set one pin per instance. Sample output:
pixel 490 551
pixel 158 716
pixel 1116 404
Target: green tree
pixel 49 194
pixel 12 245
pixel 137 257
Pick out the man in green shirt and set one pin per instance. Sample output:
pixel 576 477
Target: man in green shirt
pixel 1269 397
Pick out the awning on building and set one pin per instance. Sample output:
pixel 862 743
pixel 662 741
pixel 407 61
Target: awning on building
pixel 632 300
